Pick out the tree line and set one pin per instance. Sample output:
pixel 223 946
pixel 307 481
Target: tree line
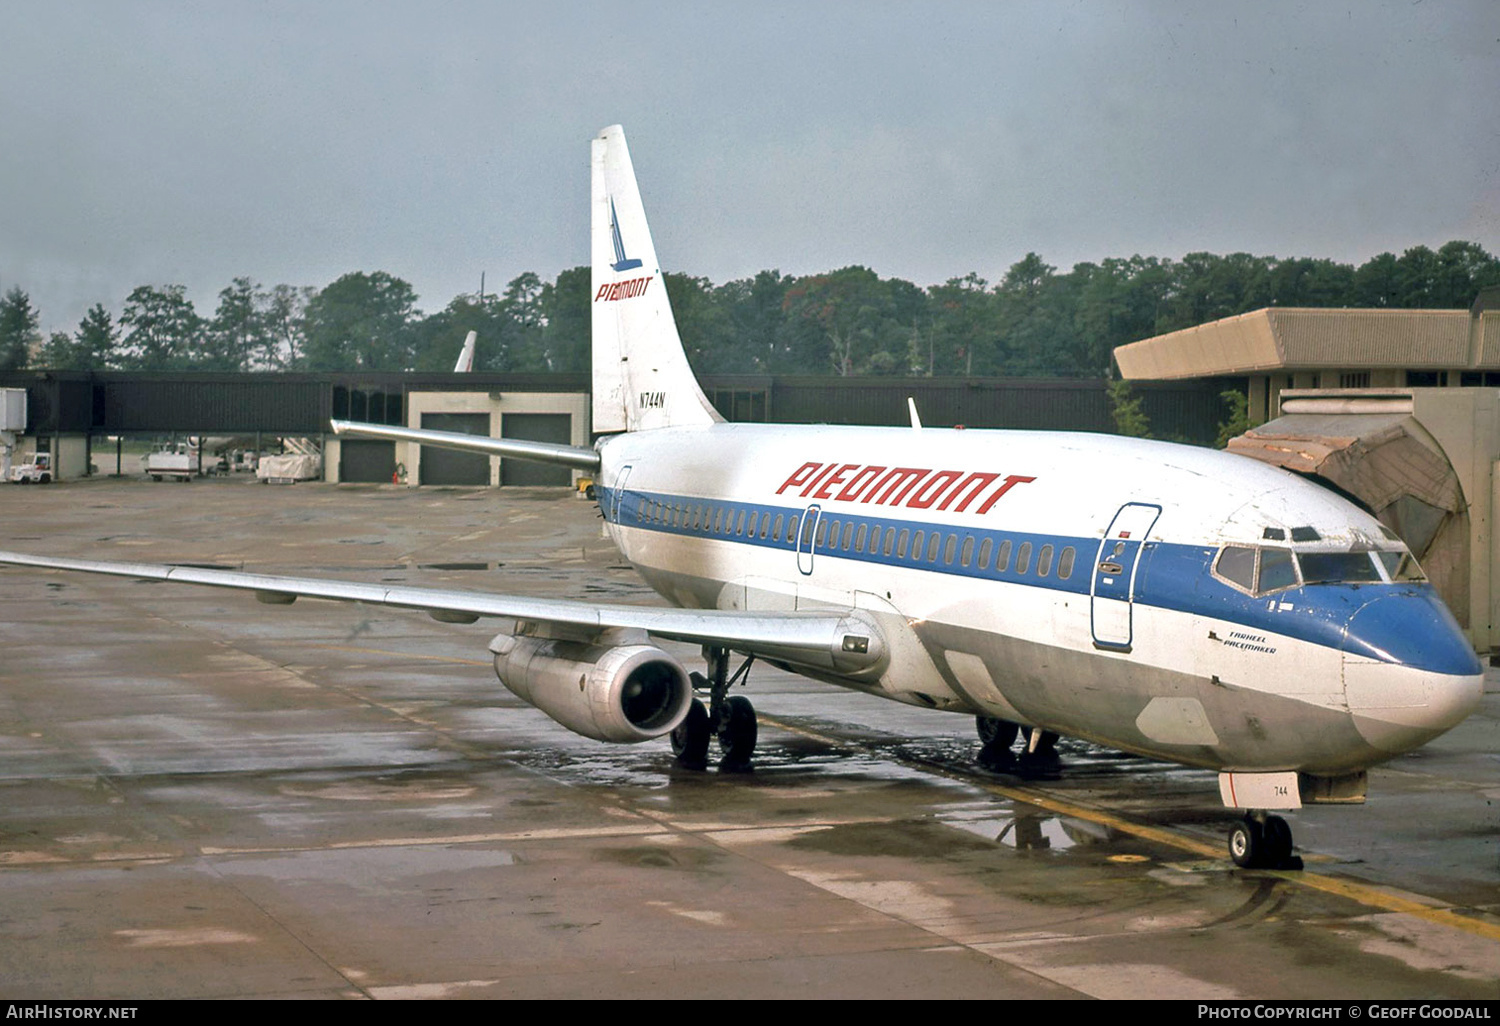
pixel 1035 321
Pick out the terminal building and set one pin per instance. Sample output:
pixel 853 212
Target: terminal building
pixel 81 416
pixel 1398 410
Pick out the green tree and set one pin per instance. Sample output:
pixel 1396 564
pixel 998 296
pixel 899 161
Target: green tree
pixel 1463 268
pixel 1375 282
pixel 759 338
pixel 18 329
pixel 283 338
pixel 361 322
pixel 1029 320
pixel 161 328
pixel 58 352
pixel 236 331
pixel 961 323
pixel 851 321
pixel 702 321
pixel 92 347
pixel 97 340
pixel 1238 422
pixel 567 323
pixel 1126 411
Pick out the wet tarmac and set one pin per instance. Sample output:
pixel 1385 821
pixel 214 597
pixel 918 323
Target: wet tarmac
pixel 203 796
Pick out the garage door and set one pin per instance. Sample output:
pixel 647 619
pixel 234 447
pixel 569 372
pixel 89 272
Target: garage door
pixel 449 466
pixel 536 427
pixel 366 461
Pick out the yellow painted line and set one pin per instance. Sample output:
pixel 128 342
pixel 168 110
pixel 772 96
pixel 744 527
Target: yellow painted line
pixel 1372 895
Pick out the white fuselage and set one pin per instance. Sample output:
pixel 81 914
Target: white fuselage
pixel 1063 580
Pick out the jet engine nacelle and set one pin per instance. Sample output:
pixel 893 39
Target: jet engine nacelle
pixel 620 693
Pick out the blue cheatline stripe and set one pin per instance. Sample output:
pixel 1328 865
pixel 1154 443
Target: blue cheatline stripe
pixel 678 513
pixel 1171 575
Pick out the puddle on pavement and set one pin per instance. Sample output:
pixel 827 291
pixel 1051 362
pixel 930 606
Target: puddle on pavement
pixel 1029 830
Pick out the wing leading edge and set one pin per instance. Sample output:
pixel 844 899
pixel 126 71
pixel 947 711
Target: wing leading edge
pixel 841 641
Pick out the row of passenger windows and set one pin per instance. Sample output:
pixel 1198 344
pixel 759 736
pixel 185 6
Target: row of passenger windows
pixel 837 534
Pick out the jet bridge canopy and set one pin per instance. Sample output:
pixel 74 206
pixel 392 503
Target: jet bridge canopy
pixel 1421 460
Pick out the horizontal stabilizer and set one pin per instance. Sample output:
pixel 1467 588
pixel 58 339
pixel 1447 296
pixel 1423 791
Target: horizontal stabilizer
pixel 514 448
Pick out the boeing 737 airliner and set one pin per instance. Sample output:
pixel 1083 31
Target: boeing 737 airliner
pixel 1176 602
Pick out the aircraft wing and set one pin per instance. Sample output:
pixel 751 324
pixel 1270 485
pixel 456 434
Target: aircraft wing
pixel 543 452
pixel 843 641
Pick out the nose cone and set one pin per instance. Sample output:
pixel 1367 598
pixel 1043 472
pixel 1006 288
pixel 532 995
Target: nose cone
pixel 1409 673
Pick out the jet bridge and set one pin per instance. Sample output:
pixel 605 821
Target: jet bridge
pixel 1422 460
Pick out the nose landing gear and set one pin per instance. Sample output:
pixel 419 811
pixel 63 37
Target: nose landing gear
pixel 1261 841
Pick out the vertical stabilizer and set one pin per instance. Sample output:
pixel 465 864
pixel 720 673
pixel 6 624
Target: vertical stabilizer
pixel 465 362
pixel 641 376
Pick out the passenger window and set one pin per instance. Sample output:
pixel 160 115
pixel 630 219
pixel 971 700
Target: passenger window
pixel 754 516
pixel 1277 569
pixel 848 535
pixel 859 538
pixel 1002 558
pixel 1023 557
pixel 890 540
pixel 739 526
pixel 719 520
pixel 1044 561
pixel 985 548
pixel 833 533
pixel 822 533
pixel 950 548
pixel 933 540
pixel 901 540
pixel 776 527
pixel 1237 565
pixel 917 541
pixel 1065 563
pixel 791 528
pixel 967 555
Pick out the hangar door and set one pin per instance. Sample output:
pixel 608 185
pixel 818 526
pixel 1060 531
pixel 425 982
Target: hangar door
pixel 536 427
pixel 450 466
pixel 366 460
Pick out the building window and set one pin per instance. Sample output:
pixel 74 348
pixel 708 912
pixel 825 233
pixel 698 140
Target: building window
pixel 1354 379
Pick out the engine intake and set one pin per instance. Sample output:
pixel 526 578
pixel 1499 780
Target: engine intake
pixel 620 693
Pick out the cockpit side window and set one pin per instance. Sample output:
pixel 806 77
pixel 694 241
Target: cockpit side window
pixel 1237 565
pixel 1400 566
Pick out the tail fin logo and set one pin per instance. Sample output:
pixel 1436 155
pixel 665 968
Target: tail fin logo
pixel 622 262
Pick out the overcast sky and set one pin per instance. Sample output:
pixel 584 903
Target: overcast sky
pixel 160 142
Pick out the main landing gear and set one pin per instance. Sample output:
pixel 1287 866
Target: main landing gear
pixel 1261 841
pixel 731 719
pixel 997 737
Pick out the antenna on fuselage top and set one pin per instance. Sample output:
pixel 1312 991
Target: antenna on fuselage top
pixel 911 407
